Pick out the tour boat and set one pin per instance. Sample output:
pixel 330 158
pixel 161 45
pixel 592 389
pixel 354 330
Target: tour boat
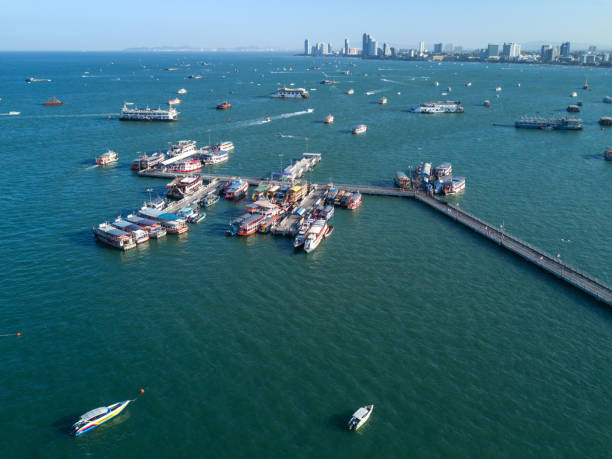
pixel 315 235
pixel 354 201
pixel 107 158
pixel 97 417
pixel 182 91
pixel 184 186
pixel 224 106
pixel 350 91
pixel 53 102
pixel 236 189
pixel 223 146
pixel 443 170
pixel 147 161
pixel 139 235
pixel 250 224
pixel 172 223
pixel 360 417
pixel 456 185
pixel 190 165
pixel 382 101
pixel 329 119
pixel 215 158
pixel 362 128
pixel 151 226
pixel 290 93
pixel 114 237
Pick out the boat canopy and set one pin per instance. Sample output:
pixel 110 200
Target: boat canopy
pixel 360 413
pixel 95 412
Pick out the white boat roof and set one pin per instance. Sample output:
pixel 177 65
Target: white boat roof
pixel 360 413
pixel 95 412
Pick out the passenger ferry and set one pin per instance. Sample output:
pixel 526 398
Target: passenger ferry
pixel 184 186
pixel 114 237
pixel 329 119
pixel 215 158
pixel 107 158
pixel 236 189
pixel 146 161
pixel 182 148
pixel 172 223
pixel 455 185
pixel 250 224
pixel 97 417
pixel 448 106
pixel 186 166
pixel 561 124
pixel 315 235
pixel 290 93
pixel 443 169
pixel 223 146
pixel 150 226
pixel 147 114
pixel 139 235
pixel 354 201
pixel 361 129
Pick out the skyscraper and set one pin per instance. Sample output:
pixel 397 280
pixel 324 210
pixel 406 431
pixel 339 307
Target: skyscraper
pixel 448 48
pixel 346 47
pixel 548 53
pixel 492 50
pixel 365 44
pixel 373 48
pixel 307 46
pixel 386 50
pixel 421 48
pixel 437 48
pixel 565 49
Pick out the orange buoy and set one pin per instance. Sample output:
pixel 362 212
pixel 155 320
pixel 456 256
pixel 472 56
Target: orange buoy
pixel 18 333
pixel 142 391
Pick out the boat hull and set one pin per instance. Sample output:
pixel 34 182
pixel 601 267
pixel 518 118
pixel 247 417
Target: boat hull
pixel 98 422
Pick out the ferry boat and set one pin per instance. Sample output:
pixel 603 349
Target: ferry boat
pixel 147 161
pixel 447 106
pixel 455 185
pixel 315 235
pixel 487 103
pixel 183 148
pixel 573 108
pixel 608 154
pixel 360 417
pixel 327 212
pixel 182 91
pixel 362 128
pixel 329 119
pixel 224 106
pixel 250 224
pixel 236 189
pixel 184 186
pixel 382 100
pixel 223 146
pixel 172 223
pixel 107 158
pixel 605 121
pixel 138 234
pixel 97 417
pixel 147 114
pixel 210 200
pixel 350 91
pixel 562 124
pixel 154 229
pixel 607 100
pixel 121 240
pixel 53 102
pixel 190 165
pixel 290 93
pixel 354 201
pixel 174 101
pixel 215 158
pixel 443 169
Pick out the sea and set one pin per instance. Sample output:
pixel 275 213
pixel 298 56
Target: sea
pixel 244 347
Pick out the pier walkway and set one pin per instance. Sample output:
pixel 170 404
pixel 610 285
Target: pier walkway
pixel 588 284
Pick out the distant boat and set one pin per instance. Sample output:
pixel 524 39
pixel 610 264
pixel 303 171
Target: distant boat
pixel 382 101
pixel 360 417
pixel 310 110
pixel 266 120
pixel 605 121
pixel 487 103
pixel 468 84
pixel 350 91
pixel 97 417
pixel 518 85
pixel 14 113
pixel 362 128
pixel 586 84
pixel 224 105
pixel 36 80
pixel 174 101
pixel 498 89
pixel 329 119
pixel 182 91
pixel 53 102
pixel 436 84
pixel 574 94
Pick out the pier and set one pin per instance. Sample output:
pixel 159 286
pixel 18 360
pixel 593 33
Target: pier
pixel 588 284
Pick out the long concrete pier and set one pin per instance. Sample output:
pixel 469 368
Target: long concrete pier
pixel 588 284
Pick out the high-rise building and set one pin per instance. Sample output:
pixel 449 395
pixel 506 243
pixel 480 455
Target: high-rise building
pixel 511 50
pixel 346 46
pixel 437 48
pixel 386 50
pixel 458 49
pixel 592 48
pixel 448 48
pixel 421 48
pixel 549 54
pixel 565 49
pixel 329 48
pixel 306 46
pixel 492 50
pixel 373 49
pixel 365 45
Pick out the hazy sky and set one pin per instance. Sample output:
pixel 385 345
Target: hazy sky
pixel 115 25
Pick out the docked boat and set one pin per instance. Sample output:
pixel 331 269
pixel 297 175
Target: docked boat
pixel 454 185
pixel 401 180
pixel 360 129
pixel 53 102
pixel 182 91
pixel 190 165
pixel 315 235
pixel 608 154
pixel 182 149
pixel 299 239
pixel 210 200
pixel 172 223
pixel 448 106
pixel 158 203
pixel 147 114
pixel 331 194
pixel 224 105
pixel 487 103
pixel 290 93
pixel 573 108
pixel 605 121
pixel 327 212
pixel 350 91
pixel 443 169
pixel 184 186
pixel 250 224
pixel 236 189
pixel 97 417
pixel 354 201
pixel 147 161
pixel 223 146
pixel 197 218
pixel 607 100
pixel 360 417
pixel 139 235
pixel 382 100
pixel 174 101
pixel 152 227
pixel 107 158
pixel 328 233
pixel 329 119
pixel 214 157
pixel 114 237
pixel 562 124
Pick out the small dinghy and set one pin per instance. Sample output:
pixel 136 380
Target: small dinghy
pixel 97 417
pixel 360 417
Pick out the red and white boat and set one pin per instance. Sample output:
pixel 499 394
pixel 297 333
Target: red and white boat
pixel 456 185
pixel 147 161
pixel 329 119
pixel 236 189
pixel 224 106
pixel 174 101
pixel 354 201
pixel 184 186
pixel 382 100
pixel 361 129
pixel 186 166
pixel 107 158
pixel 250 224
pixel 350 91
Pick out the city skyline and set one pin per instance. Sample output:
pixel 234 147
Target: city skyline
pixel 69 25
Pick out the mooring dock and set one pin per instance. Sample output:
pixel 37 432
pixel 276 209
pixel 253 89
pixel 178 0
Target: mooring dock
pixel 588 284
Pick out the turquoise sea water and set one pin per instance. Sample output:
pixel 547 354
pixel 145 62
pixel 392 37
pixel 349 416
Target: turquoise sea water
pixel 246 348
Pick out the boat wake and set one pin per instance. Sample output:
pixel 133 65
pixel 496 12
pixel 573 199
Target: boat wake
pixel 376 91
pixel 91 167
pixel 390 81
pixel 271 118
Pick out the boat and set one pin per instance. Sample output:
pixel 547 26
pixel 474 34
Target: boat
pixel 114 237
pixel 608 154
pixel 309 110
pixel 574 94
pixel 360 417
pixel 328 82
pixel 214 157
pixel 605 121
pixel 266 120
pixel 607 100
pixel 147 161
pixel 260 191
pixel 197 217
pixel 314 235
pixel 498 89
pixel 174 101
pixel 487 103
pixel 382 100
pixel 236 189
pixel 37 80
pixel 172 223
pixel 97 417
pixel 182 91
pixel 299 239
pixel 360 129
pixel 436 84
pixel 454 185
pixel 354 201
pixel 107 158
pixel 147 114
pixel 224 106
pixel 328 232
pixel 250 224
pixel 210 200
pixel 350 91
pixel 53 102
pixel 154 229
pixel 562 124
pixel 182 149
pixel 401 180
pixel 573 108
pixel 223 146
pixel 139 235
pixel 190 165
pixel 518 85
pixel 327 212
pixel 290 93
pixel 468 84
pixel 14 113
pixel 158 203
pixel 196 77
pixel 184 186
pixel 586 84
pixel 447 106
pixel 443 170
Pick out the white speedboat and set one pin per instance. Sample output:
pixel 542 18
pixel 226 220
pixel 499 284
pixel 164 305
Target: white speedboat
pixel 360 417
pixel 362 128
pixel 98 416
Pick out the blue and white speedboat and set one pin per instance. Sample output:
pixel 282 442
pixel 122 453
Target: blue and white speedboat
pixel 97 417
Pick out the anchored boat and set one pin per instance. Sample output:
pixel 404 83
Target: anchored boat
pixel 360 417
pixel 97 417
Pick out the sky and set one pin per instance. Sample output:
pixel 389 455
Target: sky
pixel 116 25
